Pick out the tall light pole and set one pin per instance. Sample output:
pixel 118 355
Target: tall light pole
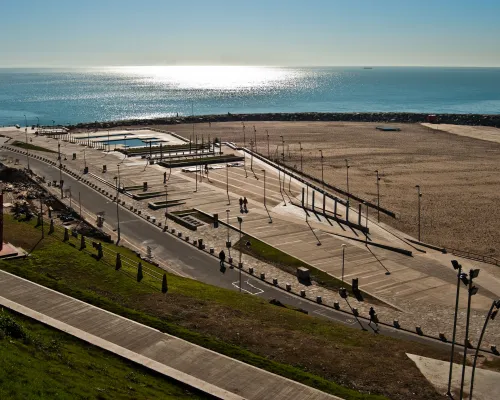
pixel 283 142
pixel 268 152
pixel 244 138
pixel 301 167
pixel 472 290
pixel 347 166
pixel 251 155
pixel 322 180
pixel 255 138
pixel 27 149
pixel 264 171
pixel 366 233
pixel 343 261
pixel 240 264
pixel 458 267
pixel 166 206
pixel 118 204
pixel 227 185
pixel 378 196
pixel 419 195
pixel 491 315
pixel 228 243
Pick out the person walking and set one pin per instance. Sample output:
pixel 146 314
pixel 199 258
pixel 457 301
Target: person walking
pixel 245 202
pixel 373 318
pixel 222 258
pixel 241 205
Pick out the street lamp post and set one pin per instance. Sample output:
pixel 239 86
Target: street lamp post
pixel 228 243
pixel 251 155
pixel 283 143
pixel 343 260
pixel 117 204
pixel 458 267
pixel 301 167
pixel 244 138
pixel 322 180
pixel 264 171
pixel 227 185
pixel 255 138
pixel 268 152
pixel 472 290
pixel 491 315
pixel 27 149
pixel 347 172
pixel 419 195
pixel 378 196
pixel 366 233
pixel 166 206
pixel 240 264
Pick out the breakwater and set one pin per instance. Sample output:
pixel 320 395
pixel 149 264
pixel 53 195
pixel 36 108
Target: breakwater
pixel 401 117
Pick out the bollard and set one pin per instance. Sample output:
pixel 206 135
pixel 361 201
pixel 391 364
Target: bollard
pixel 275 282
pixel 153 220
pixel 494 350
pixel 51 228
pixel 212 251
pixel 66 234
pixel 288 287
pixel 82 243
pixel 469 344
pixel 336 305
pixel 186 238
pixel 172 230
pixel 419 331
pixel 179 234
pixel 319 300
pixel 302 293
pixel 240 265
pixel 250 270
pixel 355 311
pixel 165 228
pixel 147 217
pixel 230 260
pixel 263 276
pixel 396 324
pixel 442 337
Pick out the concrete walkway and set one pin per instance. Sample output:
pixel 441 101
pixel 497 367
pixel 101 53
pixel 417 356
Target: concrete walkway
pixel 213 373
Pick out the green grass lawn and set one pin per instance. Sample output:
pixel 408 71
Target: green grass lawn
pixel 39 362
pixel 29 146
pixel 331 357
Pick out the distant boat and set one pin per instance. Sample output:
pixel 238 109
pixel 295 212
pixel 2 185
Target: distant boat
pixel 367 67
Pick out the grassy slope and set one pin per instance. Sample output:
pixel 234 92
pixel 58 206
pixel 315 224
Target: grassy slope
pixel 309 350
pixel 51 364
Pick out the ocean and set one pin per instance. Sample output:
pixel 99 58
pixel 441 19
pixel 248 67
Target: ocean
pixel 68 96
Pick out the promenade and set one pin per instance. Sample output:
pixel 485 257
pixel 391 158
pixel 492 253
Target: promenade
pixel 210 372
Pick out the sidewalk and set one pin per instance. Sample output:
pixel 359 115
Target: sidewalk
pixel 213 373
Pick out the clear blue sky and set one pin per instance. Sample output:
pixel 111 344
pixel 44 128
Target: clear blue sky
pixel 250 32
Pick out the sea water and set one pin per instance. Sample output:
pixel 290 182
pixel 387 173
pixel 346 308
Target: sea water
pixel 64 96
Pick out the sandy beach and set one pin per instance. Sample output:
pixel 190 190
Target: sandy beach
pixel 459 175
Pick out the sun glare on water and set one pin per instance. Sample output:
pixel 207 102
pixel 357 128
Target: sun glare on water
pixel 209 77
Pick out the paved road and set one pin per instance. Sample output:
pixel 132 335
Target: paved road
pixel 187 260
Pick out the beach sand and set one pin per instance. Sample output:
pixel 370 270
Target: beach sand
pixel 459 175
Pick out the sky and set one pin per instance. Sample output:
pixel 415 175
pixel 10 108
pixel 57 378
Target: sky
pixel 70 33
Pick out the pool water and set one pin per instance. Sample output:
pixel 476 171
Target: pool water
pixel 134 142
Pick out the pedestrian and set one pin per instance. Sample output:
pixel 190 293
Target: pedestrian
pixel 222 258
pixel 241 205
pixel 245 202
pixel 373 317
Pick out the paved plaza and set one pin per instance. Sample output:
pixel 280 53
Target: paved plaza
pixel 417 289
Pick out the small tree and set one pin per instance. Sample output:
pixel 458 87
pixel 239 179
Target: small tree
pixel 139 272
pixel 164 285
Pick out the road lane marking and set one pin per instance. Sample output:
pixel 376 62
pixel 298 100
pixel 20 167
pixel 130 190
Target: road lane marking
pixel 257 290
